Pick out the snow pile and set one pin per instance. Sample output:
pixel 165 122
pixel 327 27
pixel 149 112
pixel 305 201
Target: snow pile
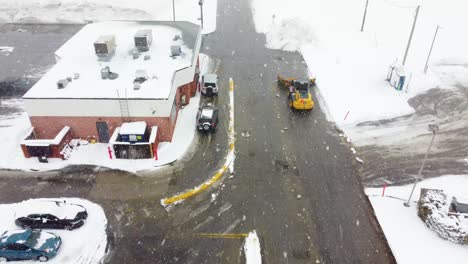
pixel 351 66
pixel 433 209
pixel 85 245
pixel 6 50
pixel 252 249
pixel 80 11
pixel 409 238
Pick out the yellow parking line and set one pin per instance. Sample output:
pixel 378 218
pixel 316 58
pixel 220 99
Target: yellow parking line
pixel 215 235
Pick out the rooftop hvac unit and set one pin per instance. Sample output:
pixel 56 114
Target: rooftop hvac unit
pixel 176 51
pixel 140 76
pixel 143 39
pixel 62 83
pixel 104 46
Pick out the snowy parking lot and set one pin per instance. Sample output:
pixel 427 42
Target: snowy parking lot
pixel 84 245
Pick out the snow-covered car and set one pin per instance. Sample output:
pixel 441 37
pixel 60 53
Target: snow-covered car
pixel 207 118
pixel 209 84
pixel 51 214
pixel 28 244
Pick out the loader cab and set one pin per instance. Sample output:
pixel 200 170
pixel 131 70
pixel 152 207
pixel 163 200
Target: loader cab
pixel 302 84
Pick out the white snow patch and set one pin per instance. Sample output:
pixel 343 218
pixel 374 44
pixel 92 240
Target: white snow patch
pixel 82 11
pixel 86 245
pixel 252 249
pixel 133 128
pixel 6 50
pixel 409 238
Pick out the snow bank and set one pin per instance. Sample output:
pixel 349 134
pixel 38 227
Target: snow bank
pixel 351 67
pixel 409 238
pixel 252 249
pixel 85 245
pixel 80 11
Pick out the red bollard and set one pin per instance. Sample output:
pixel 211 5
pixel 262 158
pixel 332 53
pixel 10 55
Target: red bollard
pixel 155 151
pixel 383 189
pixel 346 116
pixel 110 152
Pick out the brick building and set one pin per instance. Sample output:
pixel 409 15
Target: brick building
pixel 106 75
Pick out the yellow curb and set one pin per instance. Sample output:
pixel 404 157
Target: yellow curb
pixel 199 189
pixel 215 235
pixel 217 176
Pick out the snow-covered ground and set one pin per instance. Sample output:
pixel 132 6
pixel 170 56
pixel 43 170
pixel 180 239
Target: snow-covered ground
pixel 14 126
pixel 409 238
pixel 351 66
pixel 85 245
pixel 80 11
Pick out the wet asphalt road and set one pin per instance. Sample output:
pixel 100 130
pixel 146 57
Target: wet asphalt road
pixel 280 154
pixel 33 55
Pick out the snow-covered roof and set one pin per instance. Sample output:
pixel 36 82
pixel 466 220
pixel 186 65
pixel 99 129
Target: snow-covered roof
pixel 78 62
pixel 207 113
pixel 57 208
pixel 133 128
pixel 47 142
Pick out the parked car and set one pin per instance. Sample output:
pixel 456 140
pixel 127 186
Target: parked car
pixel 51 214
pixel 207 118
pixel 209 84
pixel 28 244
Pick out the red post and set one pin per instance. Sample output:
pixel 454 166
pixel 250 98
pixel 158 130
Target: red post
pixel 155 151
pixel 383 189
pixel 110 152
pixel 347 113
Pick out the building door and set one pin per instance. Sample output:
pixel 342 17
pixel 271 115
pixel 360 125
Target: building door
pixel 103 132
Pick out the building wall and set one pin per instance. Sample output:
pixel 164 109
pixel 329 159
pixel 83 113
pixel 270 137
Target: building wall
pixel 85 127
pixel 96 107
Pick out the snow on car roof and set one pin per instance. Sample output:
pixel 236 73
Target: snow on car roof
pixel 210 78
pixel 14 235
pixel 133 128
pixel 57 208
pixel 77 56
pixel 207 113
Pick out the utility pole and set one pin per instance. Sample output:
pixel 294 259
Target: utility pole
pixel 433 129
pixel 430 51
pixel 411 35
pixel 364 17
pixel 173 10
pixel 200 3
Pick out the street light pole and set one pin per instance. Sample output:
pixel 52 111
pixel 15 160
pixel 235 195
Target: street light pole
pixel 364 17
pixel 200 3
pixel 173 10
pixel 433 129
pixel 430 51
pixel 411 35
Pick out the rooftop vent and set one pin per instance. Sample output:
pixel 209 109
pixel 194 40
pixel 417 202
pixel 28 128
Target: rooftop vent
pixel 62 83
pixel 176 51
pixel 104 46
pixel 143 39
pixel 107 74
pixel 140 76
